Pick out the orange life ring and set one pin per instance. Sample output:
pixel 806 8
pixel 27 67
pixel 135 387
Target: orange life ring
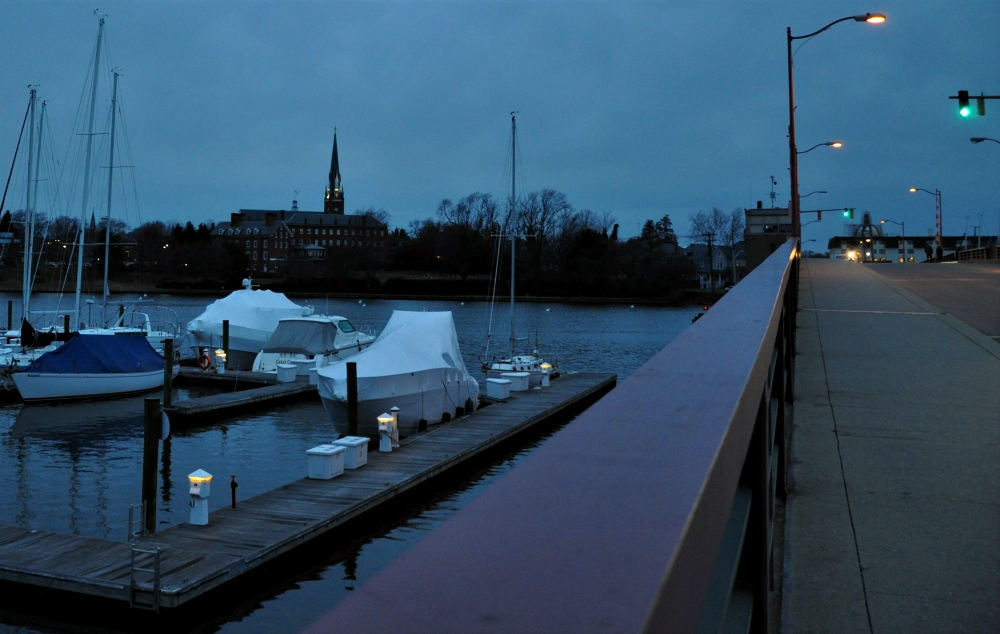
pixel 204 361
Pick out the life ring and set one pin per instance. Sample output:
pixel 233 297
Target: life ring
pixel 204 361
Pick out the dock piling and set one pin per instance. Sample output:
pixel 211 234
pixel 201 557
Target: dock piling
pixel 352 398
pixel 10 314
pixel 66 324
pixel 150 453
pixel 225 337
pixel 168 373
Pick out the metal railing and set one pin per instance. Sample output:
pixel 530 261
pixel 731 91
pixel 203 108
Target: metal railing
pixel 979 253
pixel 653 511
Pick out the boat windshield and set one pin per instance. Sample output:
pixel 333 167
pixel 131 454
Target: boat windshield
pixel 345 326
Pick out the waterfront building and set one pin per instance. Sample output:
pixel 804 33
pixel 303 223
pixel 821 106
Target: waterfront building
pixel 766 230
pixel 271 237
pixel 880 248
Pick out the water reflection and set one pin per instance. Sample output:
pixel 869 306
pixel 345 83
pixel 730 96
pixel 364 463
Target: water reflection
pixel 77 468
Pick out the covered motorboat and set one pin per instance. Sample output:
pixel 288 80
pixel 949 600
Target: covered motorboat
pixel 253 316
pixel 312 341
pixel 92 365
pixel 415 365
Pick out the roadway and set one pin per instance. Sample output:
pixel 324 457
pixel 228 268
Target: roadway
pixel 893 517
pixel 967 290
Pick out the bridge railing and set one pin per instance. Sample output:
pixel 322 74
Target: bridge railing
pixel 653 511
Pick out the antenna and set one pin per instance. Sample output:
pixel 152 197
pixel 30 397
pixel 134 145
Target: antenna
pixel 772 194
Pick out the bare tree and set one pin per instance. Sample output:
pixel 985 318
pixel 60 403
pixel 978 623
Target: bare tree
pixel 709 226
pixel 378 215
pixel 731 233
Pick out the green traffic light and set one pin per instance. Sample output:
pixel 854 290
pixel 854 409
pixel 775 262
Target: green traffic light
pixel 847 214
pixel 964 111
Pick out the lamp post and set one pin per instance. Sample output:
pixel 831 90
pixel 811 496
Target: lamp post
pixel 937 221
pixel 980 139
pixel 903 227
pixel 870 18
pixel 818 191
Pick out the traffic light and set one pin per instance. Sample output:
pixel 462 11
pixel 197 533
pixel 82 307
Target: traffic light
pixel 981 106
pixel 819 215
pixel 848 212
pixel 963 103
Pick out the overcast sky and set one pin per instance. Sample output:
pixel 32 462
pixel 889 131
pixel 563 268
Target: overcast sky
pixel 637 109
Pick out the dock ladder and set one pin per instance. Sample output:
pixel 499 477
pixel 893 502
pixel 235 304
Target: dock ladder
pixel 140 555
pixel 136 525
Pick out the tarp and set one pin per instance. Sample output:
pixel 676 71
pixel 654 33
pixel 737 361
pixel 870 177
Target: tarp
pixel 252 314
pixel 411 342
pixel 99 354
pixel 304 335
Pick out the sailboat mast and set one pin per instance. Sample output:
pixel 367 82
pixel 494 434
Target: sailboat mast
pixel 86 173
pixel 29 228
pixel 111 171
pixel 513 237
pixel 34 206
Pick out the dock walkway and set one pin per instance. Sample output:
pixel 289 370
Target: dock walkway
pixel 195 559
pixel 893 519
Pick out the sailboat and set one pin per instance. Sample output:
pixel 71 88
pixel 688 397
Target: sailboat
pixel 93 364
pixel 524 362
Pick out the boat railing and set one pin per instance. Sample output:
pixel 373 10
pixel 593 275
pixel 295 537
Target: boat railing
pixel 652 511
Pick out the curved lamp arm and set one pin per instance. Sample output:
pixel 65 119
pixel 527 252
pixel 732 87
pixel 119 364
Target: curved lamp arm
pixel 873 18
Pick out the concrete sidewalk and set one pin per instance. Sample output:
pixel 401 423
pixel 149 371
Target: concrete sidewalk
pixel 893 523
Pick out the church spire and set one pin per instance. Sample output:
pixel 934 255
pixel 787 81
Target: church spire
pixel 334 203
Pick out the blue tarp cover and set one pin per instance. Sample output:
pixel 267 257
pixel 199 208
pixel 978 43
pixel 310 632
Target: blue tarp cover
pixel 100 354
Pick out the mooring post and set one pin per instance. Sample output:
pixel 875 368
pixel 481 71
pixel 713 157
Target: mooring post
pixel 352 398
pixel 225 339
pixel 168 373
pixel 232 485
pixel 10 314
pixel 66 324
pixel 150 454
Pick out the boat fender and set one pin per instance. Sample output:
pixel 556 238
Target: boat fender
pixel 204 361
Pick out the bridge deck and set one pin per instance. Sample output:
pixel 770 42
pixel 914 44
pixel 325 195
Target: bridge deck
pixel 894 517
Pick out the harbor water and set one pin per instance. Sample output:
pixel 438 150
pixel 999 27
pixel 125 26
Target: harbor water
pixel 76 468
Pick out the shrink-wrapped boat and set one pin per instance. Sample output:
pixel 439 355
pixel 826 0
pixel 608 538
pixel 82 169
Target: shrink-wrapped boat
pixel 415 364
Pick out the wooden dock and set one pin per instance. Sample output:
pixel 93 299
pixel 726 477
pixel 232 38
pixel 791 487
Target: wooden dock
pixel 265 389
pixel 196 559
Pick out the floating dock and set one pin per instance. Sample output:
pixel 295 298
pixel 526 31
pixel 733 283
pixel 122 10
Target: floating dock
pixel 192 560
pixel 265 389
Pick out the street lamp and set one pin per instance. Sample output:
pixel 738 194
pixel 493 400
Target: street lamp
pixel 870 18
pixel 828 143
pixel 903 226
pixel 818 191
pixel 980 139
pixel 937 195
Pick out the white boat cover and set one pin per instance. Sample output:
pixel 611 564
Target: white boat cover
pixel 305 335
pixel 253 315
pixel 411 343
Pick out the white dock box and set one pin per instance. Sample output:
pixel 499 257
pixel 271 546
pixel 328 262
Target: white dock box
pixel 326 461
pixel 286 372
pixel 357 451
pixel 498 388
pixel 518 380
pixel 302 366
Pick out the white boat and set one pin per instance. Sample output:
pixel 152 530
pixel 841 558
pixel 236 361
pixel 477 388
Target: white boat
pixel 311 342
pixel 415 364
pixel 253 317
pixel 87 366
pixel 530 363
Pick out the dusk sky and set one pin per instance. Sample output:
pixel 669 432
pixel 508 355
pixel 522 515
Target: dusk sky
pixel 636 109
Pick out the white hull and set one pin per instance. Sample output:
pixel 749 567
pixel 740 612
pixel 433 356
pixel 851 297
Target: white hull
pixel 430 405
pixel 35 386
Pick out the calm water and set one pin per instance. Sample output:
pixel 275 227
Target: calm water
pixel 76 468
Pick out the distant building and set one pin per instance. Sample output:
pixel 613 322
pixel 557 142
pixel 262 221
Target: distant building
pixel 766 230
pixel 879 248
pixel 272 237
pixel 718 263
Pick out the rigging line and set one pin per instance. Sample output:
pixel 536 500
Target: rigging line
pixel 3 201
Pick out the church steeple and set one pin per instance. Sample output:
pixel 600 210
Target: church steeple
pixel 334 203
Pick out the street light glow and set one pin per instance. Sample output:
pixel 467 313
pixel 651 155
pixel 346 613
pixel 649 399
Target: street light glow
pixel 836 144
pixel 871 18
pixel 913 189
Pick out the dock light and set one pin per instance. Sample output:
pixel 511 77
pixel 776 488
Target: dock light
pixel 385 432
pixel 220 361
pixel 546 369
pixel 201 486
